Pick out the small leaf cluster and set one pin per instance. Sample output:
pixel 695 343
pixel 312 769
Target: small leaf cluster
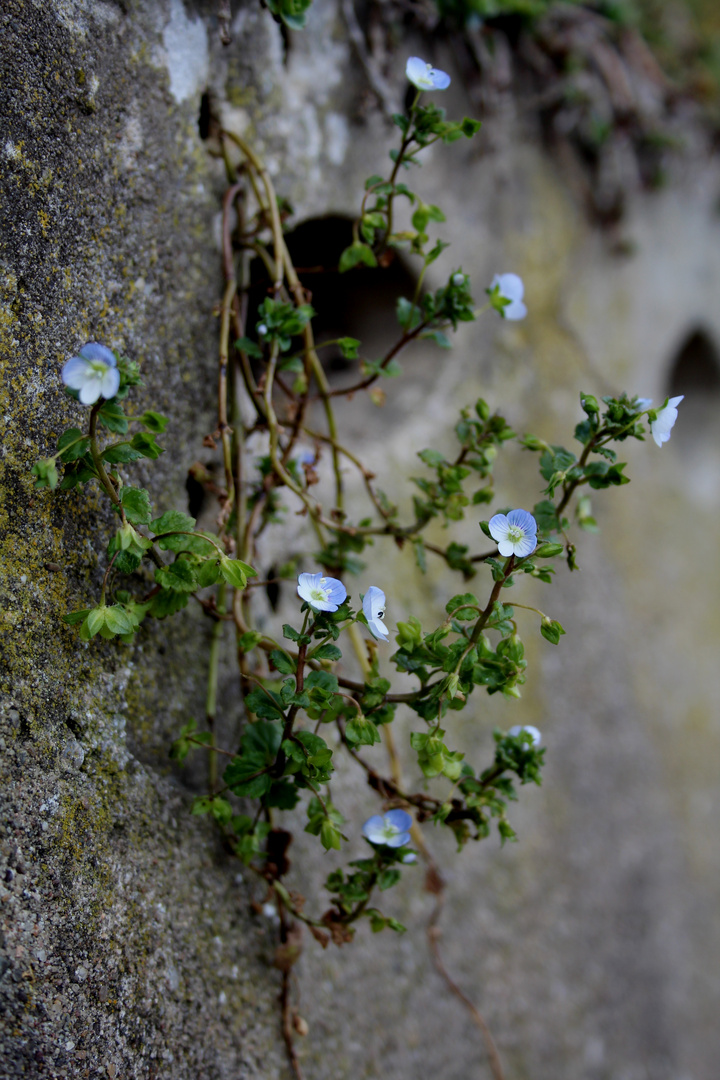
pixel 480 436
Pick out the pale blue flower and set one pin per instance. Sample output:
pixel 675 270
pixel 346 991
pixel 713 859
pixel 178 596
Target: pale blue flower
pixel 533 734
pixel 663 423
pixel 515 534
pixel 321 593
pixel 424 76
pixel 374 612
pixel 643 403
pixel 511 288
pixel 390 829
pixel 93 372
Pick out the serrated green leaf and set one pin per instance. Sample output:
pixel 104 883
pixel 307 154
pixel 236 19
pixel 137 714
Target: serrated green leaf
pixel 154 421
pixel 180 576
pixel 136 503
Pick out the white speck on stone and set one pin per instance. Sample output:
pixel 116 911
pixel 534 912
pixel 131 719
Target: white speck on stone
pixel 23 579
pixel 173 977
pixel 337 137
pixel 234 972
pixel 222 998
pixel 81 974
pixel 187 56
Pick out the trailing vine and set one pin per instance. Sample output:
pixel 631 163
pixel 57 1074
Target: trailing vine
pixel 304 701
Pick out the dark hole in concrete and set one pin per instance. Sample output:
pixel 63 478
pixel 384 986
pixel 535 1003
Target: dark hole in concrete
pixel 696 369
pixel 359 303
pixel 695 373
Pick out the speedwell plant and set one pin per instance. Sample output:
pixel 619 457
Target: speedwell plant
pixel 304 703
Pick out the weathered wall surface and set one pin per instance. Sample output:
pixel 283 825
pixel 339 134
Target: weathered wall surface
pixel 128 945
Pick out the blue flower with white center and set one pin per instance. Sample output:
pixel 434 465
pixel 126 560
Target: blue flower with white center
pixel 93 372
pixel 516 533
pixel 664 422
pixel 511 290
pixel 425 76
pixel 321 593
pixel 391 829
pixel 374 612
pixel 534 737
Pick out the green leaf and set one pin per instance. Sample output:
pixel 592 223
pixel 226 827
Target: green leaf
pixel 146 445
pixel 388 878
pixel 439 338
pixel 282 662
pixel 362 731
pixel 118 621
pixel 236 572
pixel 136 503
pixel 290 633
pixel 327 652
pixel 349 347
pixel 408 314
pixel 74 617
pixel 265 704
pixel 154 421
pixel 356 254
pixel 180 576
pixel 249 640
pixel 72 445
pixel 208 573
pixel 45 473
pixel 250 348
pixel 373 180
pixel 95 620
pixel 329 836
pixel 548 550
pixel 112 416
pixel 120 454
pixel 172 521
pixel 282 795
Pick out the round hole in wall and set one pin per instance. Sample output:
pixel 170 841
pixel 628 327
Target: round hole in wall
pixel 695 373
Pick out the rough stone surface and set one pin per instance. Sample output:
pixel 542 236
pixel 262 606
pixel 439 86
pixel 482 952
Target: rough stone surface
pixel 128 946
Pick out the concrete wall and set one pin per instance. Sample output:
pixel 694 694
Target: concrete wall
pixel 129 947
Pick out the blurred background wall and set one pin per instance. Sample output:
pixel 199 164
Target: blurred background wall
pixel 592 946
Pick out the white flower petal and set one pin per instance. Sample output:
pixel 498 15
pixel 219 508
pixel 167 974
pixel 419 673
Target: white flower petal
pixel 511 286
pixel 110 383
pixel 75 372
pixel 515 311
pixel 665 421
pixel 499 526
pixel 425 77
pixel 525 547
pixel 90 390
pixel 92 350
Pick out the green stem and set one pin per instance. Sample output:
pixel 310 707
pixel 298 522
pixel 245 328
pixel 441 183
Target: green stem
pixel 212 685
pixel 98 462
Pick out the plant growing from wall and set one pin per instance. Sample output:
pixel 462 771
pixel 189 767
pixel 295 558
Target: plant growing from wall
pixel 304 704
